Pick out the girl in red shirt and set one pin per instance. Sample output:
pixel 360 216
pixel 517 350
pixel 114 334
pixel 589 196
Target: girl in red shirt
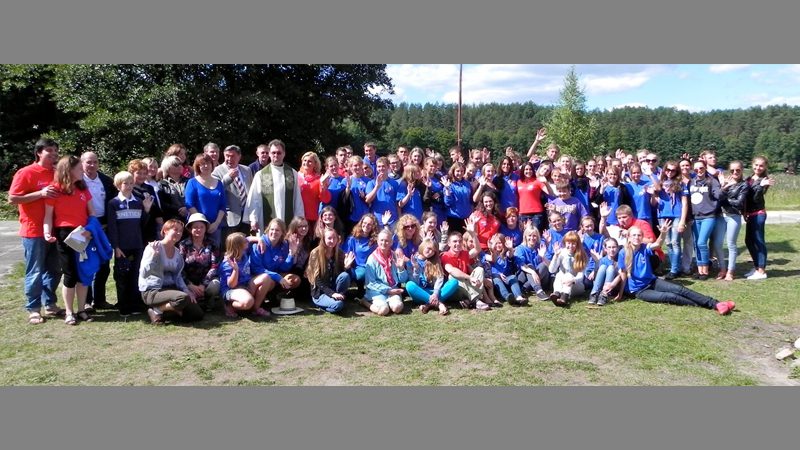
pixel 313 188
pixel 530 189
pixel 62 215
pixel 484 221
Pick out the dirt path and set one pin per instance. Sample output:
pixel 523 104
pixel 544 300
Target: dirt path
pixel 757 343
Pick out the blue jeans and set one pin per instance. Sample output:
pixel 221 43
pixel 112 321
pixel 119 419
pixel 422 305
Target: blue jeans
pixel 503 286
pixel 755 239
pixel 42 273
pixel 672 239
pixel 733 224
pixel 605 274
pixel 703 228
pixel 422 296
pixel 329 303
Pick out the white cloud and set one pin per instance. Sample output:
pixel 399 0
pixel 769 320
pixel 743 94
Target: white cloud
pixel 722 68
pixel 630 105
pixel 503 83
pixel 682 107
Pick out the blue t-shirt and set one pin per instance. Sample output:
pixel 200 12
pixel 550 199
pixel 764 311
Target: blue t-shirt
pixel 515 234
pixel 592 242
pixel 409 249
pixel 508 191
pixel 642 273
pixel 358 192
pixel 499 265
pixel 360 247
pixel 245 273
pixel 612 196
pixel 640 199
pixel 273 261
pixel 414 205
pixel 336 187
pixel 555 236
pixel 524 255
pixel 459 200
pixel 385 199
pixel 436 196
pixel 669 205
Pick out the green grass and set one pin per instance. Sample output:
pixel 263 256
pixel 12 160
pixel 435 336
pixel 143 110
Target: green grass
pixel 785 194
pixel 627 343
pixel 7 210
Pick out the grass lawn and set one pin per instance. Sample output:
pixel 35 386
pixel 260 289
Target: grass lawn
pixel 627 343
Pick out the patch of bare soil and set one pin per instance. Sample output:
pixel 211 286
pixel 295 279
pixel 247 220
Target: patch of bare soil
pixel 757 343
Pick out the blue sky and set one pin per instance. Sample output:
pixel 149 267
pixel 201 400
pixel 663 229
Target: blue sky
pixel 691 87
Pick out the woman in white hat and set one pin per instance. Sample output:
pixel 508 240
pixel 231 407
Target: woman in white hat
pixel 385 272
pixel 200 262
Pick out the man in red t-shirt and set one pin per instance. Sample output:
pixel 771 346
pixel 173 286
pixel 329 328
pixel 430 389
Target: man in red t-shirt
pixel 29 189
pixel 456 263
pixel 626 221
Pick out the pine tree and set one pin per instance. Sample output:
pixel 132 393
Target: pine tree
pixel 569 125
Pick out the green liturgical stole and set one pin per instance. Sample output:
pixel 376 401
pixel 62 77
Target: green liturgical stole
pixel 268 194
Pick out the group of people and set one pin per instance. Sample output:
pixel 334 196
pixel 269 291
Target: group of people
pixel 458 232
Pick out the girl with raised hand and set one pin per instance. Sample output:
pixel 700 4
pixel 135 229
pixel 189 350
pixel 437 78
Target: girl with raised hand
pixel 429 231
pixel 484 221
pixel 511 228
pixel 272 258
pixel 487 183
pixel 355 191
pixel 471 244
pixel 500 260
pixel 507 184
pixel 607 279
pixel 568 264
pixel 457 197
pixel 238 285
pixel 672 204
pixel 385 272
pixel 756 217
pixel 637 274
pixel 361 243
pixel 410 191
pixel 533 271
pixel 313 186
pixel 426 285
pixel 530 189
pixel 704 192
pixel 327 272
pixel 433 198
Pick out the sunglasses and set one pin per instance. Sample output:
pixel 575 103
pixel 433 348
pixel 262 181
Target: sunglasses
pixel 409 227
pixel 670 170
pixel 651 160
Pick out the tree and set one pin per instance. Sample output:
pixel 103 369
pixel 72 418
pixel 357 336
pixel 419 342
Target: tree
pixel 569 125
pixel 128 111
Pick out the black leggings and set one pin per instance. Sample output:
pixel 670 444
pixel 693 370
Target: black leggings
pixel 661 291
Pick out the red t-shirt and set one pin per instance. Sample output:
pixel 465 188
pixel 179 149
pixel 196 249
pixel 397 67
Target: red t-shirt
pixel 530 196
pixel 460 261
pixel 31 215
pixel 485 228
pixel 70 210
pixel 312 195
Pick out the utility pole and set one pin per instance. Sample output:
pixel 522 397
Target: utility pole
pixel 458 119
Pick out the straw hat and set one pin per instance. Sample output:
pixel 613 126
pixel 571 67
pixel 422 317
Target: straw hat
pixel 287 308
pixel 196 217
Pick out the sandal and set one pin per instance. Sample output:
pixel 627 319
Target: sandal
pixel 35 318
pixel 70 320
pixel 84 316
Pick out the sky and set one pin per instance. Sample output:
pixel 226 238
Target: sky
pixel 690 87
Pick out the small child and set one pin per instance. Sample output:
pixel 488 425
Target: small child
pixel 592 241
pixel 126 216
pixel 571 208
pixel 533 272
pixel 471 245
pixel 239 290
pixel 607 277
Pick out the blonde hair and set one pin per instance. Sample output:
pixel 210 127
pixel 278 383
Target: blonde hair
pixel 433 267
pixel 121 177
pixel 401 236
pixel 529 231
pixel 580 252
pixel 408 173
pixel 314 159
pixel 234 247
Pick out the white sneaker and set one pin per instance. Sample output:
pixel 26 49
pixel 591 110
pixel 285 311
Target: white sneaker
pixel 750 273
pixel 758 276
